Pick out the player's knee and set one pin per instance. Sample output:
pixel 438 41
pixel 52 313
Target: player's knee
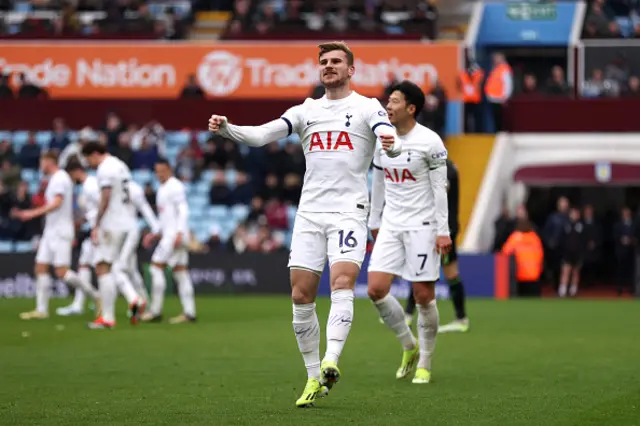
pixel 102 268
pixel 378 288
pixel 424 293
pixel 41 269
pixel 343 282
pixel 301 294
pixel 60 272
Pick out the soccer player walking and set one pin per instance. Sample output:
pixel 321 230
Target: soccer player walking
pixel 338 133
pixel 412 231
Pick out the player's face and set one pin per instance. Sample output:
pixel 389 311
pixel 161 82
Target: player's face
pixel 78 175
pixel 397 108
pixel 163 172
pixel 334 70
pixel 93 160
pixel 46 165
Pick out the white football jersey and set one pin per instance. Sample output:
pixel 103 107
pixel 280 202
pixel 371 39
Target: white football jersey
pixel 140 205
pixel 407 193
pixel 89 199
pixel 171 200
pixel 113 173
pixel 338 140
pixel 60 221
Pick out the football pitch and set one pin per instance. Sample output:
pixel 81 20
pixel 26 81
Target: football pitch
pixel 538 362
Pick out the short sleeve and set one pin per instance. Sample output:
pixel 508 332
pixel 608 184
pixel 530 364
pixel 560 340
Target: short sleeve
pixel 106 177
pixel 437 155
pixel 58 185
pixel 376 115
pixel 293 118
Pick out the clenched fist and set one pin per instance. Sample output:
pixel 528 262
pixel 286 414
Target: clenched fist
pixel 387 141
pixel 216 122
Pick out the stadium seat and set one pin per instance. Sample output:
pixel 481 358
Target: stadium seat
pixel 34 185
pixel 24 247
pixel 23 7
pixel 20 137
pixel 287 238
pixel 142 176
pixel 5 136
pixel 226 230
pixel 6 247
pixel 218 213
pixel 188 188
pixel 232 177
pixel 177 139
pixel 43 139
pixel 203 137
pixel 207 175
pixel 202 187
pixel 30 175
pixel 239 212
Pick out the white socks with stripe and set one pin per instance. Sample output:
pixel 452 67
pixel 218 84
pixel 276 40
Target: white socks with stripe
pixel 428 319
pixel 185 292
pixel 307 331
pixel 339 323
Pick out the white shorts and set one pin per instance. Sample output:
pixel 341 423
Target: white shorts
pixel 87 253
pixel 410 255
pixel 54 250
pixel 128 260
pixel 166 254
pixel 342 237
pixel 109 246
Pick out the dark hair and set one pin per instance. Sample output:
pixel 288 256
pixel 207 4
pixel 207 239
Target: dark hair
pixel 93 147
pixel 412 93
pixel 73 165
pixel 523 225
pixel 163 161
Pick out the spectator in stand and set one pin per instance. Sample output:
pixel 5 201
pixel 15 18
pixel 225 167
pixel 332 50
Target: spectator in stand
pixel 292 188
pixel 632 90
pixel 434 113
pixel 219 194
pixel 214 154
pixel 112 129
pixel 623 235
pixel 189 161
pixel 6 204
pixel 60 136
pixel 426 13
pixel 271 188
pixel 192 89
pixel 275 159
pixel 123 151
pixel 234 159
pixel 294 159
pixel 243 191
pixel 146 157
pixel 276 213
pixel 499 88
pixel 530 85
pixel 241 20
pixel 557 84
pixel 38 199
pixel 6 152
pixel 152 133
pixel 266 18
pixel 25 231
pixel 597 86
pixel 599 22
pixel 29 90
pixel 10 175
pixel 29 157
pixel 370 21
pixel 6 92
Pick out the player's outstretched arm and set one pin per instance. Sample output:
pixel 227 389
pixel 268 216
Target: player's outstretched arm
pixel 377 193
pixel 40 211
pixel 251 135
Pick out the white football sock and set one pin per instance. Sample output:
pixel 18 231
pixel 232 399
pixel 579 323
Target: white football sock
pixel 158 286
pixel 80 296
pixel 138 284
pixel 428 319
pixel 185 292
pixel 573 290
pixel 392 314
pixel 339 323
pixel 125 287
pixel 43 292
pixel 307 331
pixel 562 290
pixel 73 279
pixel 108 294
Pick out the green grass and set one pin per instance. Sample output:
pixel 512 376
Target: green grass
pixel 536 363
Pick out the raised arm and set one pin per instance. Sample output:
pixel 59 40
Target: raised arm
pixel 381 126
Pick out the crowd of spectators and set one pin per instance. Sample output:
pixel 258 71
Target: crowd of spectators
pixel 337 16
pixel 612 19
pixel 162 20
pixel 268 179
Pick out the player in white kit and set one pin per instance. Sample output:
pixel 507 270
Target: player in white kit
pixel 57 239
pixel 412 230
pixel 88 201
pixel 114 219
pixel 173 213
pixel 338 134
pixel 126 268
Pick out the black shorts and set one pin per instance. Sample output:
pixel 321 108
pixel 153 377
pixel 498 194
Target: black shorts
pixel 529 288
pixel 452 256
pixel 573 259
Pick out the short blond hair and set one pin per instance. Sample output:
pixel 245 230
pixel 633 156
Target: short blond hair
pixel 49 155
pixel 336 45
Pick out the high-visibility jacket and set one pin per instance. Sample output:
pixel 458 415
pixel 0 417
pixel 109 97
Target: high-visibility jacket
pixel 499 85
pixel 471 85
pixel 529 254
